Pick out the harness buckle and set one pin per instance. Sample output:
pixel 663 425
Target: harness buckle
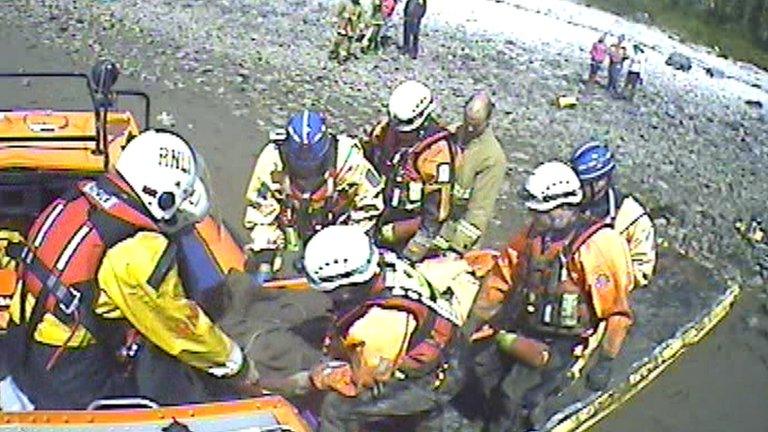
pixel 74 304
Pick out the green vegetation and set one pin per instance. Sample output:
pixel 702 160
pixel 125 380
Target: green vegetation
pixel 739 28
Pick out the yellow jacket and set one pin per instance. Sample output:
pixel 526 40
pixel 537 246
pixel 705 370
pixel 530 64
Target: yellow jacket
pixel 381 349
pixel 164 316
pixel 354 181
pixel 636 226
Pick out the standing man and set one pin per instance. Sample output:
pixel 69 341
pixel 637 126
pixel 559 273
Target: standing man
pixel 617 54
pixel 573 275
pixel 635 72
pixel 419 158
pixel 349 19
pixel 414 12
pixel 306 178
pixel 99 267
pixel 594 163
pixel 478 179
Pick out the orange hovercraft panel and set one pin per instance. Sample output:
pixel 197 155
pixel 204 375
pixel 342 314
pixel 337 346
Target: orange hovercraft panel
pixel 268 413
pixel 50 140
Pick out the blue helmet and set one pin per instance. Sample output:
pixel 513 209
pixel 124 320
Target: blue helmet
pixel 593 161
pixel 306 143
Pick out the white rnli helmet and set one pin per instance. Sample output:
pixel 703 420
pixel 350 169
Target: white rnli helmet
pixel 410 104
pixel 551 185
pixel 161 168
pixel 340 255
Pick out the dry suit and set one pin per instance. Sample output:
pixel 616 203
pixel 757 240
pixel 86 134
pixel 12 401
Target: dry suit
pixel 409 372
pixel 634 223
pixel 559 291
pixel 280 215
pixel 97 272
pixel 420 168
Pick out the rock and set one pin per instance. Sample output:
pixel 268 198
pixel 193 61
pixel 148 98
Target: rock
pixel 756 104
pixel 641 17
pixel 752 322
pixel 166 120
pixel 679 61
pixel 757 280
pixel 714 72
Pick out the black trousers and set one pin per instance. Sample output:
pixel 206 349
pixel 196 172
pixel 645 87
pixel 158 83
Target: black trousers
pixel 410 404
pixel 414 12
pixel 519 398
pixel 79 377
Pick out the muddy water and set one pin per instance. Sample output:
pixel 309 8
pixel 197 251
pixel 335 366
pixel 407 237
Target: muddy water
pixel 719 385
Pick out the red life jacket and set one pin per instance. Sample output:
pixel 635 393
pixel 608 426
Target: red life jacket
pixel 432 337
pixel 67 243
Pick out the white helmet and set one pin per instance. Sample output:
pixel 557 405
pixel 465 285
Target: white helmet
pixel 340 255
pixel 410 104
pixel 196 207
pixel 161 168
pixel 551 185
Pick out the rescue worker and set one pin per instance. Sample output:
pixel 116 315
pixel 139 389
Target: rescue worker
pixel 306 178
pixel 414 13
pixel 349 21
pixel 410 371
pixel 99 267
pixel 419 159
pixel 594 164
pixel 371 41
pixel 478 179
pixel 569 277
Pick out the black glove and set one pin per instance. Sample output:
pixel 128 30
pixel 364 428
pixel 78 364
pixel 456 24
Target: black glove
pixel 600 374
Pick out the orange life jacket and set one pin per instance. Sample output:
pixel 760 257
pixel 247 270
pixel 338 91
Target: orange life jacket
pixel 67 242
pixel 405 171
pixel 554 304
pixel 426 350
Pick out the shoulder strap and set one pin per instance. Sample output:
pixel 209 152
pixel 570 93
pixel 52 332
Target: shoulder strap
pixel 164 265
pixel 585 235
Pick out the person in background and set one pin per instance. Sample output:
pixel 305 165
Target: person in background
pixel 635 72
pixel 388 8
pixel 414 12
pixel 617 55
pixel 597 56
pixel 349 22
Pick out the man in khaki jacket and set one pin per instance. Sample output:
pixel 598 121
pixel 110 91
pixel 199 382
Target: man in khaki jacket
pixel 478 179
